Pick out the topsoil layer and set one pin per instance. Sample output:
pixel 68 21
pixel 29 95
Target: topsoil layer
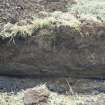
pixel 14 10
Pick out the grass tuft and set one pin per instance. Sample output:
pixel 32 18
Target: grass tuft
pixel 13 30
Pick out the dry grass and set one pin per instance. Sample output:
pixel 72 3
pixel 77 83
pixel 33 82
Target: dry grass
pixel 54 99
pixel 12 30
pixel 11 98
pixel 89 7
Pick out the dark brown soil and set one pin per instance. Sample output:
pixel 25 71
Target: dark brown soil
pixel 14 10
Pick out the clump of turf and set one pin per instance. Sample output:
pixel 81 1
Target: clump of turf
pixel 13 30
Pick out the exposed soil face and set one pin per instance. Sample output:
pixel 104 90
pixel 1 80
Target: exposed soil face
pixel 68 54
pixel 58 50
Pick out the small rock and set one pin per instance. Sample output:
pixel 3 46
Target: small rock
pixel 37 95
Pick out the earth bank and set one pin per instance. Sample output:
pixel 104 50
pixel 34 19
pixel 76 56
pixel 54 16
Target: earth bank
pixel 59 44
pixel 56 48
